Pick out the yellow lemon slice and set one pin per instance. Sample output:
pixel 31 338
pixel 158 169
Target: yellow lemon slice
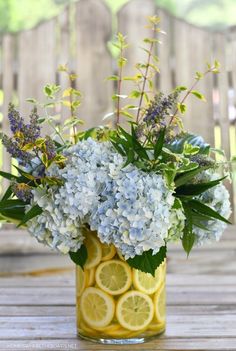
pixel 90 276
pixel 145 282
pixel 80 280
pixel 160 304
pixel 134 310
pixel 111 328
pixel 119 333
pixel 108 252
pixel 114 277
pixel 97 307
pixel 156 327
pixel 83 328
pixel 94 250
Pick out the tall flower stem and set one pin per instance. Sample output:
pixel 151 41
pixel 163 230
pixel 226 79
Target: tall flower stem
pixel 189 91
pixel 119 89
pixel 145 79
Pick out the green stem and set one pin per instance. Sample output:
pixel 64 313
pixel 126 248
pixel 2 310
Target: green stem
pixel 144 81
pixel 53 127
pixel 119 89
pixel 186 96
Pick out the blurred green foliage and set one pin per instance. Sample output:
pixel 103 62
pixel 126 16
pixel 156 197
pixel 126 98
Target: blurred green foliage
pixel 23 14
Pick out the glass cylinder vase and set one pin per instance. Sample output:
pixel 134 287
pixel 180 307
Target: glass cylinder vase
pixel 117 304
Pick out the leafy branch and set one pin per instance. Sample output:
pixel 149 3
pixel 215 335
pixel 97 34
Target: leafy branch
pixel 181 105
pixel 154 20
pixel 121 45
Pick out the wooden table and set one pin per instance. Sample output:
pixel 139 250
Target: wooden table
pixel 37 299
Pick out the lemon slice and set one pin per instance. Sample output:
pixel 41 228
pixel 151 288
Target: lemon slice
pixel 97 307
pixel 156 327
pixel 111 328
pixel 80 280
pixel 90 276
pixel 114 277
pixel 108 252
pixel 145 282
pixel 160 304
pixel 94 250
pixel 134 310
pixel 119 333
pixel 84 328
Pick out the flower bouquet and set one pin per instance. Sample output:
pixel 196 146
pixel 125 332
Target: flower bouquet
pixel 114 197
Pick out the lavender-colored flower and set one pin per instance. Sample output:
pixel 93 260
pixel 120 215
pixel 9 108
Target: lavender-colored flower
pixel 31 131
pixel 159 108
pixel 22 191
pixel 15 151
pixel 16 122
pixel 50 148
pixel 23 134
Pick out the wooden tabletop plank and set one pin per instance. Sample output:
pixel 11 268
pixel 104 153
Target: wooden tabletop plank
pixel 176 295
pixel 170 344
pixel 37 302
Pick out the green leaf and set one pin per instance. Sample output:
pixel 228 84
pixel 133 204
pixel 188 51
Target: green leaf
pixel 134 94
pixel 7 194
pixel 79 257
pixel 198 95
pixel 190 149
pixel 147 262
pixel 181 107
pixel 188 240
pixel 89 133
pixel 186 167
pixel 31 100
pixel 177 145
pixel 10 204
pixel 159 144
pixel 8 176
pixel 197 189
pixel 126 114
pixel 199 75
pixel 33 212
pixel 180 88
pixel 169 176
pixel 204 209
pixel 130 158
pixel 114 77
pixel 118 148
pixel 200 225
pixel 13 214
pixel 188 235
pixel 187 176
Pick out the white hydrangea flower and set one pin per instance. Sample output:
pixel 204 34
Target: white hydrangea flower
pixel 128 207
pixel 218 199
pixel 134 211
pixel 67 208
pixel 53 227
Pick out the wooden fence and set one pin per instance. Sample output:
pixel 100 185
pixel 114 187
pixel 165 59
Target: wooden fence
pixel 79 37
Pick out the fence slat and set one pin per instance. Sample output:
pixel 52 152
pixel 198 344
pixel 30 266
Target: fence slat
pixel 165 53
pixel 220 47
pixel 93 61
pixel 64 53
pixel 36 62
pixel 8 87
pixel 193 48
